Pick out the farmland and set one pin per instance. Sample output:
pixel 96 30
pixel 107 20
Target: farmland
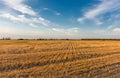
pixel 59 59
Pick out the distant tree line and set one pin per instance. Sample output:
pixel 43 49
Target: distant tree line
pixel 51 39
pixel 99 39
pixel 8 38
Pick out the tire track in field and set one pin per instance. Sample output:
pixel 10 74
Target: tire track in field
pixel 112 68
pixel 61 60
pixel 105 71
pixel 71 49
pixel 102 72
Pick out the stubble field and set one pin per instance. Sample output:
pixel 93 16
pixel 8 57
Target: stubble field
pixel 59 59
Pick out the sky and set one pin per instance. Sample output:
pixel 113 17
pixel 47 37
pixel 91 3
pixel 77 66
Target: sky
pixel 60 19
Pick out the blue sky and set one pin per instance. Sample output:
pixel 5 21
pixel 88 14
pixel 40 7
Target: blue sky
pixel 60 18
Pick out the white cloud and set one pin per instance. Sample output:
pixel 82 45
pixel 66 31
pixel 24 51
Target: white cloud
pixel 19 5
pixel 81 20
pixel 50 10
pixel 45 9
pixel 7 15
pixel 57 13
pixel 69 31
pixel 72 31
pixel 102 8
pixel 116 30
pixel 115 22
pixel 33 21
pixel 33 25
pixel 111 27
pixel 58 30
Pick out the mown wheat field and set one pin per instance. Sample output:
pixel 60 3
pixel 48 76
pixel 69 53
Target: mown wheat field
pixel 59 59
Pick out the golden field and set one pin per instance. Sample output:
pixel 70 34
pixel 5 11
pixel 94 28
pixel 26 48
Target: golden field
pixel 59 59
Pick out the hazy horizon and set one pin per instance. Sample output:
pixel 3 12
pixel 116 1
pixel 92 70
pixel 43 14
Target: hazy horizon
pixel 60 19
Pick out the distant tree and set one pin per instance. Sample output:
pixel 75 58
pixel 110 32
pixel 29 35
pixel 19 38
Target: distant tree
pixel 7 38
pixel 67 39
pixel 40 39
pixel 20 39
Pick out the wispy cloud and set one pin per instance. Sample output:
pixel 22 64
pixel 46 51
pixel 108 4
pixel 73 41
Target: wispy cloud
pixel 115 21
pixel 32 21
pixel 116 30
pixel 69 31
pixel 45 9
pixel 104 7
pixel 20 6
pixel 54 12
pixel 57 13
